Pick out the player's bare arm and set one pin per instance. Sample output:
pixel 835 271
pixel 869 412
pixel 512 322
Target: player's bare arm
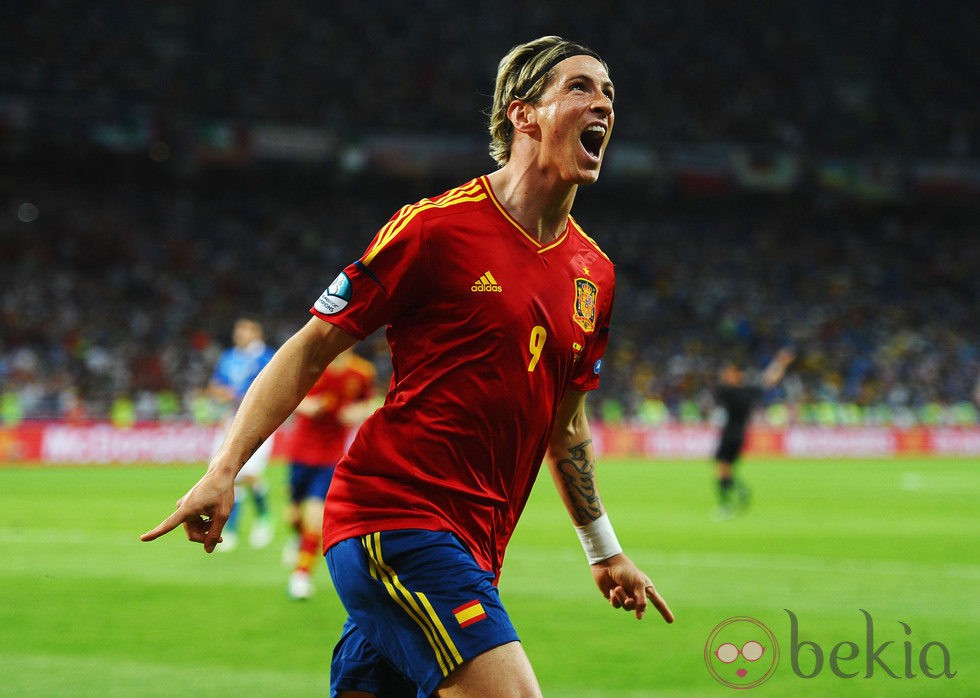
pixel 273 396
pixel 776 369
pixel 571 459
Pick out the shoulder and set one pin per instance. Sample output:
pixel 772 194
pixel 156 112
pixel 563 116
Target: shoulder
pixel 459 200
pixel 406 226
pixel 587 241
pixel 592 266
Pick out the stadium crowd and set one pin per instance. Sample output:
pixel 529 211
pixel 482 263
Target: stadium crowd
pixel 126 289
pixel 118 289
pixel 836 77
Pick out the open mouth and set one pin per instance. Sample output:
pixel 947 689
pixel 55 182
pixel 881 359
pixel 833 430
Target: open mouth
pixel 592 139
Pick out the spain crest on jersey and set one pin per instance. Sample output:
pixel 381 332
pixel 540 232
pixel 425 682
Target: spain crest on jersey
pixel 586 294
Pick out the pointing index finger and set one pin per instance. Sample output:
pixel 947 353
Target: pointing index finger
pixel 164 527
pixel 659 603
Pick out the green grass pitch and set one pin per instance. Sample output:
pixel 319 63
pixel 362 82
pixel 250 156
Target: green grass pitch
pixel 88 610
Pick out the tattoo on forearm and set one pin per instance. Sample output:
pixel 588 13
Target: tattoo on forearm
pixel 578 477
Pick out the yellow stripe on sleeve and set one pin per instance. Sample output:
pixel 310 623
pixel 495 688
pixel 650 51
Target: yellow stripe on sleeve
pixel 468 192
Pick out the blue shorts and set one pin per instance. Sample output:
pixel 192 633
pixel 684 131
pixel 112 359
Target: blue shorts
pixel 307 481
pixel 418 606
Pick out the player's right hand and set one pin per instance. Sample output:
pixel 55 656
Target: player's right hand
pixel 203 511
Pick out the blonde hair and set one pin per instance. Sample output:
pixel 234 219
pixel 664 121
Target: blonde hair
pixel 524 74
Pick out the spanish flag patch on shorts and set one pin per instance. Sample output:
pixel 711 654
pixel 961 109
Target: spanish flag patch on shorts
pixel 469 613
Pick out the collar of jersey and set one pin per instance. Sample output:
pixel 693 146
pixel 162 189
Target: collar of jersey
pixel 541 249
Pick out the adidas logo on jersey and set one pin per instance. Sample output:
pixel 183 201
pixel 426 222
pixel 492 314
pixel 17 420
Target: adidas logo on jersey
pixel 487 283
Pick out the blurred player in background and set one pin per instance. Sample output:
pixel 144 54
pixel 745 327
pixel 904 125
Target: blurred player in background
pixel 340 400
pixel 739 398
pixel 497 307
pixel 237 367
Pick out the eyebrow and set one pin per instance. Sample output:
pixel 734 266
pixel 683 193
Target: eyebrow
pixel 606 84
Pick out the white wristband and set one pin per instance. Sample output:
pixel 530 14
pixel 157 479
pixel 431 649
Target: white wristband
pixel 598 540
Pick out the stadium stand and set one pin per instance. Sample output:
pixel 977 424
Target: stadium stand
pixel 141 216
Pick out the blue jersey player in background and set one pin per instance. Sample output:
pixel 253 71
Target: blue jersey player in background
pixel 236 369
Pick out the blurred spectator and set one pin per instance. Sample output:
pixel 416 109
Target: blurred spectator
pixel 123 287
pixel 119 278
pixel 830 75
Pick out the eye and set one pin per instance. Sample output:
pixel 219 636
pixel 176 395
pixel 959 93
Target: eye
pixel 727 653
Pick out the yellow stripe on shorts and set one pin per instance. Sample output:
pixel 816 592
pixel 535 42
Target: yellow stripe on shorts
pixel 415 604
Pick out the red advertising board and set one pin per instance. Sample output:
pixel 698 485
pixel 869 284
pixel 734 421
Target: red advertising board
pixel 54 442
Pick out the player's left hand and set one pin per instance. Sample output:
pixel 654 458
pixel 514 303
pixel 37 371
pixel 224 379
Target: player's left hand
pixel 625 586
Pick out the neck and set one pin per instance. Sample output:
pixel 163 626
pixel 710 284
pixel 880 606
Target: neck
pixel 540 204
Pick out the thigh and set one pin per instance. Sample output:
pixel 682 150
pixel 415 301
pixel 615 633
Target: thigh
pixel 311 514
pixel 357 666
pixel 501 671
pixel 420 600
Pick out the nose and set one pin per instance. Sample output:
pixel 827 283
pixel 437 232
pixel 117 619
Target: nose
pixel 602 104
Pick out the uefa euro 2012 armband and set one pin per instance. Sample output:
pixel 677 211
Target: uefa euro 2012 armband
pixel 598 540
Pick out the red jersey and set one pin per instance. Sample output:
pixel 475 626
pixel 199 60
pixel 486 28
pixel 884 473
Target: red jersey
pixel 488 329
pixel 321 440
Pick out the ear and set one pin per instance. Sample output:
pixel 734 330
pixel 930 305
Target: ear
pixel 523 116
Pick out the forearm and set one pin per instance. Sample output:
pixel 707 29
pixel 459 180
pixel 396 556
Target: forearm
pixel 278 389
pixel 776 369
pixel 571 460
pixel 773 374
